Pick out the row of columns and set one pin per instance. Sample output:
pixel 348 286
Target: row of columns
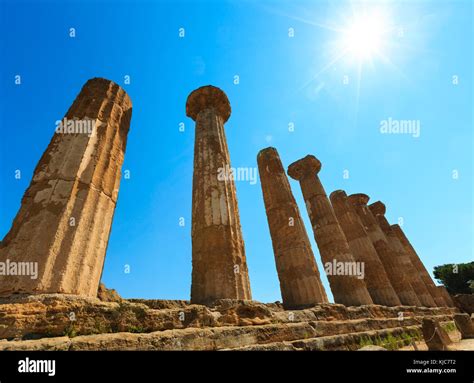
pixel 331 241
pixel 65 218
pixel 347 231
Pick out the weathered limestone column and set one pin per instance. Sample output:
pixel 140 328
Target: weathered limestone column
pixel 447 297
pixel 332 244
pixel 420 267
pixel 378 210
pixel 300 281
pixel 376 280
pixel 65 218
pixel 392 263
pixel 219 263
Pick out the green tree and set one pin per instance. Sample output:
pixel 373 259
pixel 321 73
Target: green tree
pixel 457 278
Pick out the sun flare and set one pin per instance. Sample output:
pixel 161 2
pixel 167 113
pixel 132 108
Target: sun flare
pixel 363 39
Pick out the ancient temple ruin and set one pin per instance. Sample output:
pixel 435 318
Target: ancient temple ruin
pixel 65 218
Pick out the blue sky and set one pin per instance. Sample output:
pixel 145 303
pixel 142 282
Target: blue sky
pixel 335 105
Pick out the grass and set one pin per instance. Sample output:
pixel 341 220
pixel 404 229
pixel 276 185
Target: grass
pixel 70 331
pixel 390 342
pixel 450 326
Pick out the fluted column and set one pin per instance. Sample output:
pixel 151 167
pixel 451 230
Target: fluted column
pixel 378 210
pixel 66 214
pixel 376 280
pixel 219 263
pixel 447 297
pixel 392 263
pixel 332 244
pixel 300 281
pixel 420 267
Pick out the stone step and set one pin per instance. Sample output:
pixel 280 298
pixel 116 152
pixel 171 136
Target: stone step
pixel 341 342
pixel 55 315
pixel 215 338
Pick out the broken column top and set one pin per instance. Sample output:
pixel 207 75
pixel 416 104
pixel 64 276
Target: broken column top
pixel 208 97
pixel 307 166
pixel 101 87
pixel 377 208
pixel 359 199
pixel 97 98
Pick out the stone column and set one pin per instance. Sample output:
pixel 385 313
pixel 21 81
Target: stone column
pixel 300 282
pixel 333 248
pixel 65 218
pixel 219 263
pixel 420 267
pixel 446 296
pixel 376 279
pixel 378 210
pixel 393 265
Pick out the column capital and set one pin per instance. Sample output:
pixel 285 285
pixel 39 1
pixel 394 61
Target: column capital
pixel 338 195
pixel 270 151
pixel 377 208
pixel 269 156
pixel 304 167
pixel 359 199
pixel 208 97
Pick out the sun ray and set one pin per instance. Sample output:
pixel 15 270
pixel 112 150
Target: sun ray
pixel 364 34
pixel 326 26
pixel 322 70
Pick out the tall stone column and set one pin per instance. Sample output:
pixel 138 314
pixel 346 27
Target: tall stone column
pixel 392 263
pixel 378 210
pixel 332 244
pixel 447 297
pixel 65 218
pixel 376 279
pixel 300 282
pixel 219 263
pixel 420 267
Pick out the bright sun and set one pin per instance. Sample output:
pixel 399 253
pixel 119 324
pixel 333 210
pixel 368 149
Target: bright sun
pixel 364 37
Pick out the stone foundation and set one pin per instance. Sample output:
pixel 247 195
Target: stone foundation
pixel 67 322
